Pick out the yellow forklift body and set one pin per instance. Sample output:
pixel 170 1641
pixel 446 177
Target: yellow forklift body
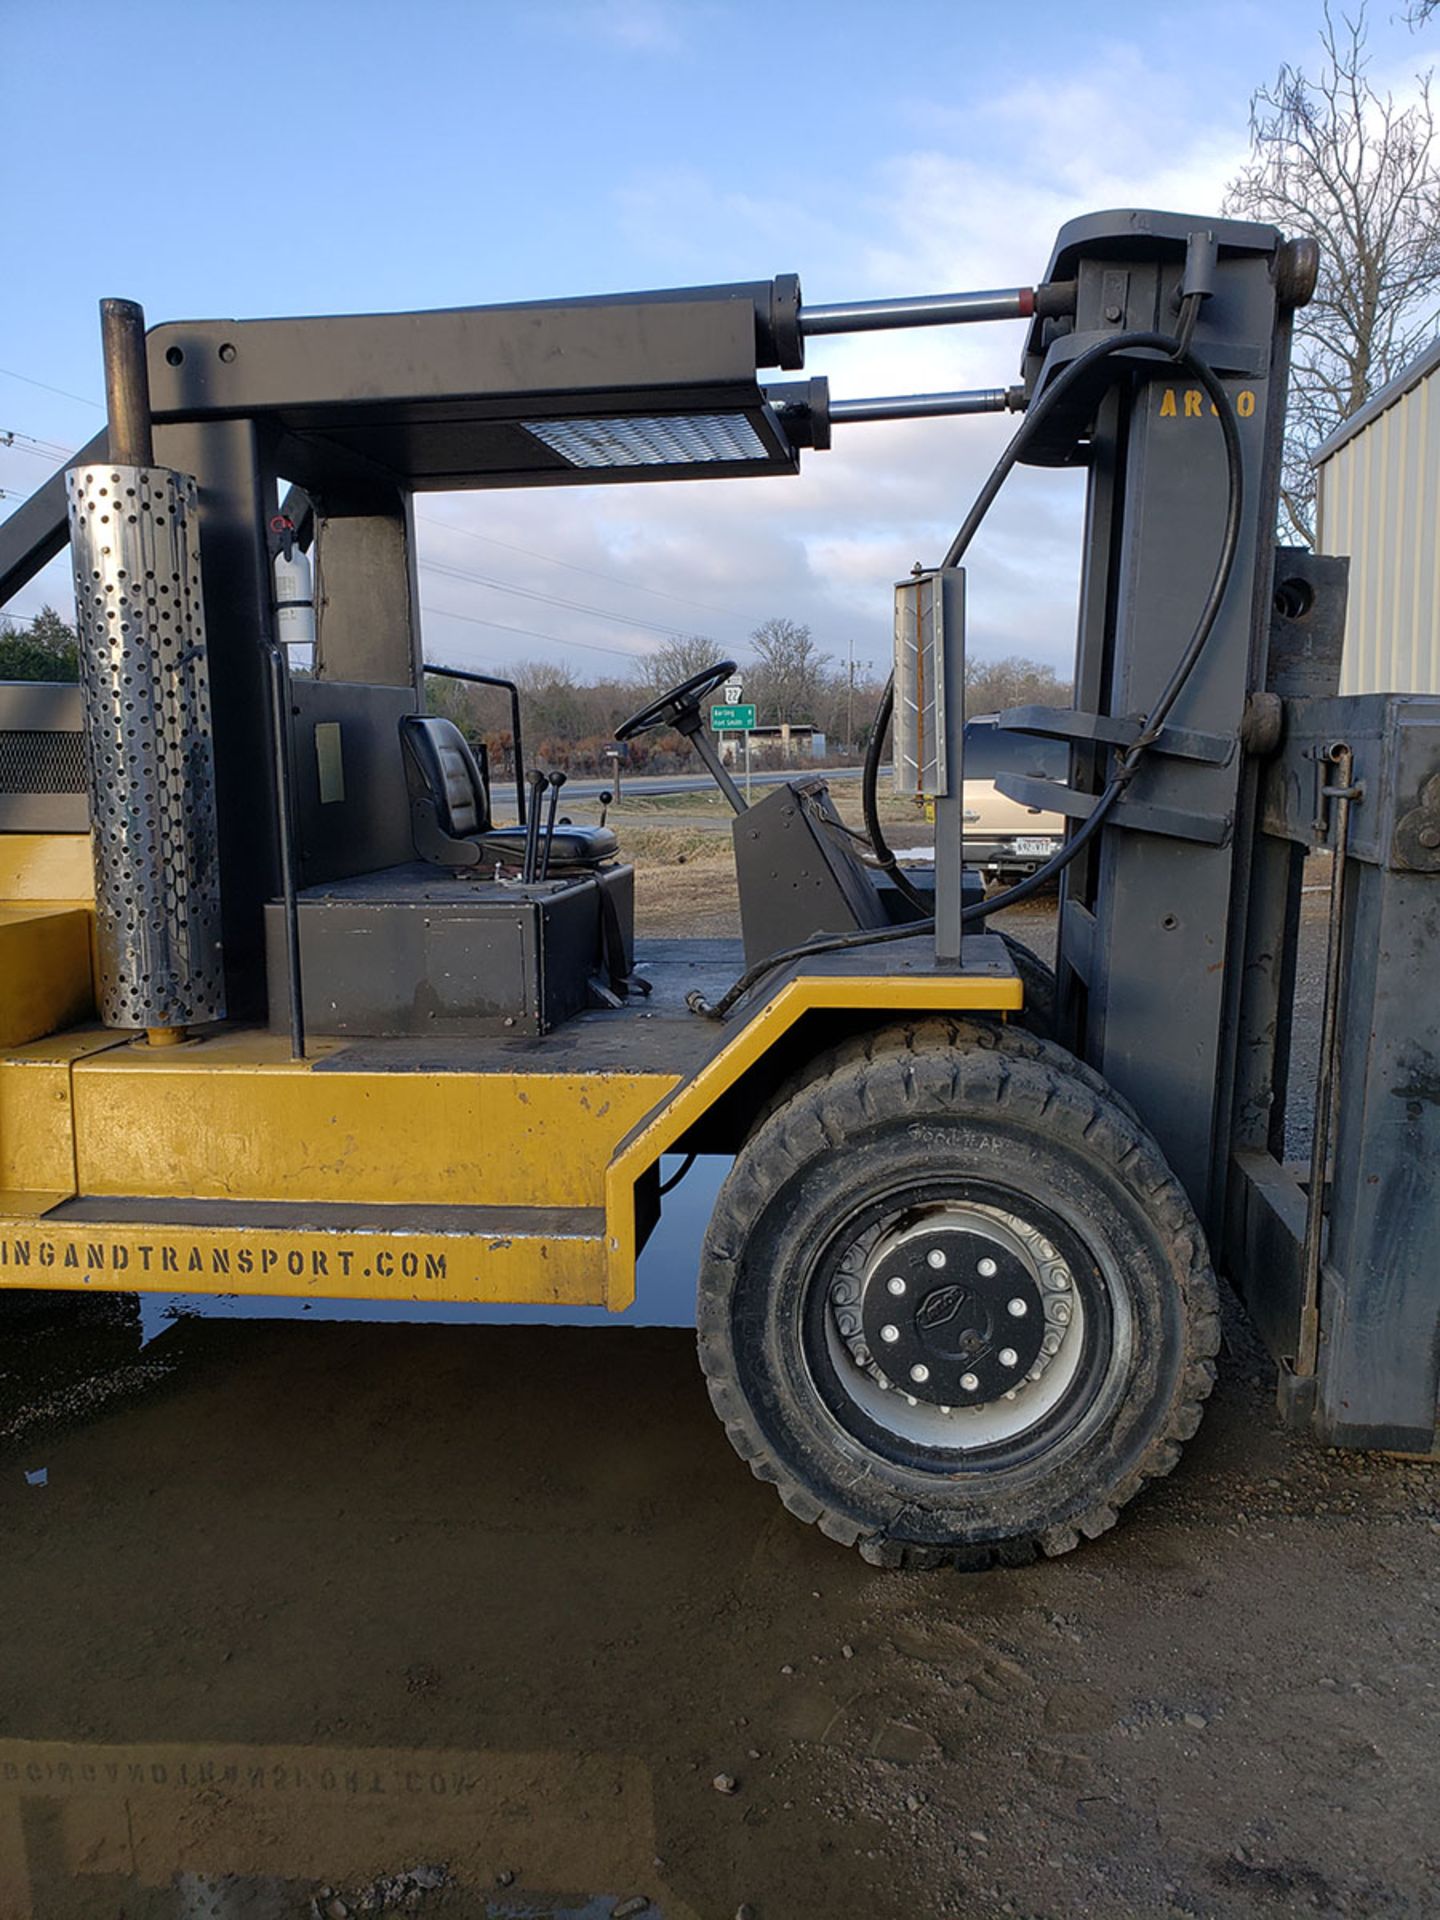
pixel 222 1165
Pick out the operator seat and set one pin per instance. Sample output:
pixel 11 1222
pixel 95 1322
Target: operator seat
pixel 450 807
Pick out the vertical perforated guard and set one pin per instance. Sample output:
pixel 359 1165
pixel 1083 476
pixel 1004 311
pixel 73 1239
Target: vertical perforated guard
pixel 146 685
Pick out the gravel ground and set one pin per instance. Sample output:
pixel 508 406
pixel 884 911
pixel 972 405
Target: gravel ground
pixel 489 1621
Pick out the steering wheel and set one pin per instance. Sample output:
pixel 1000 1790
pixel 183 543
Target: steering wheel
pixel 671 707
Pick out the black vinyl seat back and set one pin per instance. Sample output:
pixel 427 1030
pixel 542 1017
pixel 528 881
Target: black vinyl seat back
pixel 449 774
pixel 450 806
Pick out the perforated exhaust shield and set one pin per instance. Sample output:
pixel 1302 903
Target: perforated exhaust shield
pixel 146 685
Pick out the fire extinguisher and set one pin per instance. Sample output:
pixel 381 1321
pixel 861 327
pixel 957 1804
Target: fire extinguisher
pixel 294 594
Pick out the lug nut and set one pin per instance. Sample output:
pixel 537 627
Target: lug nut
pixel 889 1335
pixel 1009 1357
pixel 1019 1308
pixel 969 1382
pixel 920 1375
pixel 935 1258
pixel 895 1286
pixel 1060 1312
pixel 987 1268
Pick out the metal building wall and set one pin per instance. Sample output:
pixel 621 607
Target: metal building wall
pixel 1379 481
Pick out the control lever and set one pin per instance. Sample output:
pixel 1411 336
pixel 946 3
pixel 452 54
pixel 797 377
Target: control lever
pixel 557 780
pixel 532 829
pixel 607 799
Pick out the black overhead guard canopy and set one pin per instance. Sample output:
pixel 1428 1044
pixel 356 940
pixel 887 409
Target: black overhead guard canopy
pixel 631 387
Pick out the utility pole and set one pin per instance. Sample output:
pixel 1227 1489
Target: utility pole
pixel 850 718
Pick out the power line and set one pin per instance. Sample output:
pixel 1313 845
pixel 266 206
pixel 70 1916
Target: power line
pixel 42 449
pixel 45 387
pixel 573 566
pixel 446 613
pixel 550 599
pixel 29 619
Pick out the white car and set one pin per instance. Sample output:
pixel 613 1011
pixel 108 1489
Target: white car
pixel 1004 838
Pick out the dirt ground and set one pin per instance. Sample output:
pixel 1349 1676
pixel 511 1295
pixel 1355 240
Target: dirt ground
pixel 685 872
pixel 329 1619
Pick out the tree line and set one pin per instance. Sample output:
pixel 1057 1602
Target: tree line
pixel 570 722
pixel 44 650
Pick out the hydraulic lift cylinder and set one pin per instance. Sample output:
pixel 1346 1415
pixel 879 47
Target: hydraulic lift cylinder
pixel 918 310
pixel 146 689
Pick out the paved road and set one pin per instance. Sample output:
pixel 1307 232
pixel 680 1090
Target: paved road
pixel 654 785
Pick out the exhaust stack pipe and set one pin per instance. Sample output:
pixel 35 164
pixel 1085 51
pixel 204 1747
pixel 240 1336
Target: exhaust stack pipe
pixel 145 681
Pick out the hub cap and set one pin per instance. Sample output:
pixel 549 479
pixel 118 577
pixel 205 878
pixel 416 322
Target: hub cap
pixel 952 1316
pixel 958 1326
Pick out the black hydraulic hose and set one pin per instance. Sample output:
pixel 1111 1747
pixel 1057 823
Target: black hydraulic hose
pixel 834 943
pixel 1129 761
pixel 1178 355
pixel 1176 352
pixel 1154 721
pixel 870 798
pixel 669 1186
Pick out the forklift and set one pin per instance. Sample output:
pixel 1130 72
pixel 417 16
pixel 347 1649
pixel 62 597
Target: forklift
pixel 289 1005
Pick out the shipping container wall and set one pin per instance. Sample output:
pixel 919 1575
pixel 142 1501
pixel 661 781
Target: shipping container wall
pixel 1380 503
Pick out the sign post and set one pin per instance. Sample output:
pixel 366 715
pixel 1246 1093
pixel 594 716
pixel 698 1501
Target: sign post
pixel 735 718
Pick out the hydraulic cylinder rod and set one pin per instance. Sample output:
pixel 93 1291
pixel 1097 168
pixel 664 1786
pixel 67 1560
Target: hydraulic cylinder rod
pixel 919 310
pixel 929 406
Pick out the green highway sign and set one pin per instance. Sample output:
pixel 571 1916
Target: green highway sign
pixel 732 719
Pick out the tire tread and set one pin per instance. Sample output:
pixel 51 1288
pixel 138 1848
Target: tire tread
pixel 939 1064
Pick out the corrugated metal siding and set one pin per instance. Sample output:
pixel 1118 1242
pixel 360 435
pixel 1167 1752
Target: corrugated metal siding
pixel 1380 503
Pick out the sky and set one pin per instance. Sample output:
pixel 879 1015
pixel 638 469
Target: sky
pixel 237 161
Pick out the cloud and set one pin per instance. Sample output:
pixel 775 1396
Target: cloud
pixel 978 204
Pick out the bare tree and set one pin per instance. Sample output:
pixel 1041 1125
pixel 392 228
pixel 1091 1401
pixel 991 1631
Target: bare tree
pixel 676 659
pixel 1332 157
pixel 993 685
pixel 789 671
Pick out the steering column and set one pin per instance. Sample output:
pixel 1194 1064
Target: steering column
pixel 680 709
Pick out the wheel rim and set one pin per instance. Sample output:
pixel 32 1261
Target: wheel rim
pixel 995 1386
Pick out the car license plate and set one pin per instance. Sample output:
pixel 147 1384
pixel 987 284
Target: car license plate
pixel 1036 849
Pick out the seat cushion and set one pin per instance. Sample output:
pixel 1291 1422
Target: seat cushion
pixel 573 847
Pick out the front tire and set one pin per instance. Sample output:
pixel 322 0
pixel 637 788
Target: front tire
pixel 953 1304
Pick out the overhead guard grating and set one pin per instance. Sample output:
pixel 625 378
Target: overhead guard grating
pixel 657 440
